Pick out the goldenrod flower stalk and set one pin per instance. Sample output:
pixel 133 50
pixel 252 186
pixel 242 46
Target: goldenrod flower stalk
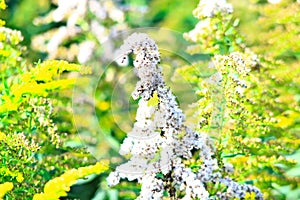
pixel 39 81
pixel 59 186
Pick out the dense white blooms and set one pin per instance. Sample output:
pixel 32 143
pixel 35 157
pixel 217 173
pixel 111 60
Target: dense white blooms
pixel 160 142
pixel 152 188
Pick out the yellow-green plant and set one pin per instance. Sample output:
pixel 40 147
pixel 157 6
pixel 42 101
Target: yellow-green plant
pixel 32 145
pixel 239 102
pixel 273 33
pixel 276 35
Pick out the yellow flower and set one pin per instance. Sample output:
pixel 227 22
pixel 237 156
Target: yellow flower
pixel 2 4
pixel 103 105
pixel 4 188
pixel 153 101
pixel 20 177
pixel 250 196
pixel 2 136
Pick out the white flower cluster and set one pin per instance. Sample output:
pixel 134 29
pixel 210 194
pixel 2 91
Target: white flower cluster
pixel 237 190
pixel 237 66
pixel 209 8
pixel 20 141
pixel 160 142
pixel 212 15
pixel 76 15
pixel 202 28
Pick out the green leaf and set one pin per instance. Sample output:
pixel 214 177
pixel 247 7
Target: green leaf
pixel 229 31
pixel 239 40
pixel 236 22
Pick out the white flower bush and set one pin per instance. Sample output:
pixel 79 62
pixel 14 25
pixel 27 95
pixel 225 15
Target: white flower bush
pixel 83 19
pixel 160 144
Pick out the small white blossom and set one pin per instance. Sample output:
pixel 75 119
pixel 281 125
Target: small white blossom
pixel 228 168
pixel 113 178
pixel 86 50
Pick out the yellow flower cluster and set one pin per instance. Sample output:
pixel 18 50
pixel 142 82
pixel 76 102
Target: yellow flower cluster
pixel 4 188
pixel 58 187
pixel 39 81
pixel 2 4
pixel 4 171
pixel 51 69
